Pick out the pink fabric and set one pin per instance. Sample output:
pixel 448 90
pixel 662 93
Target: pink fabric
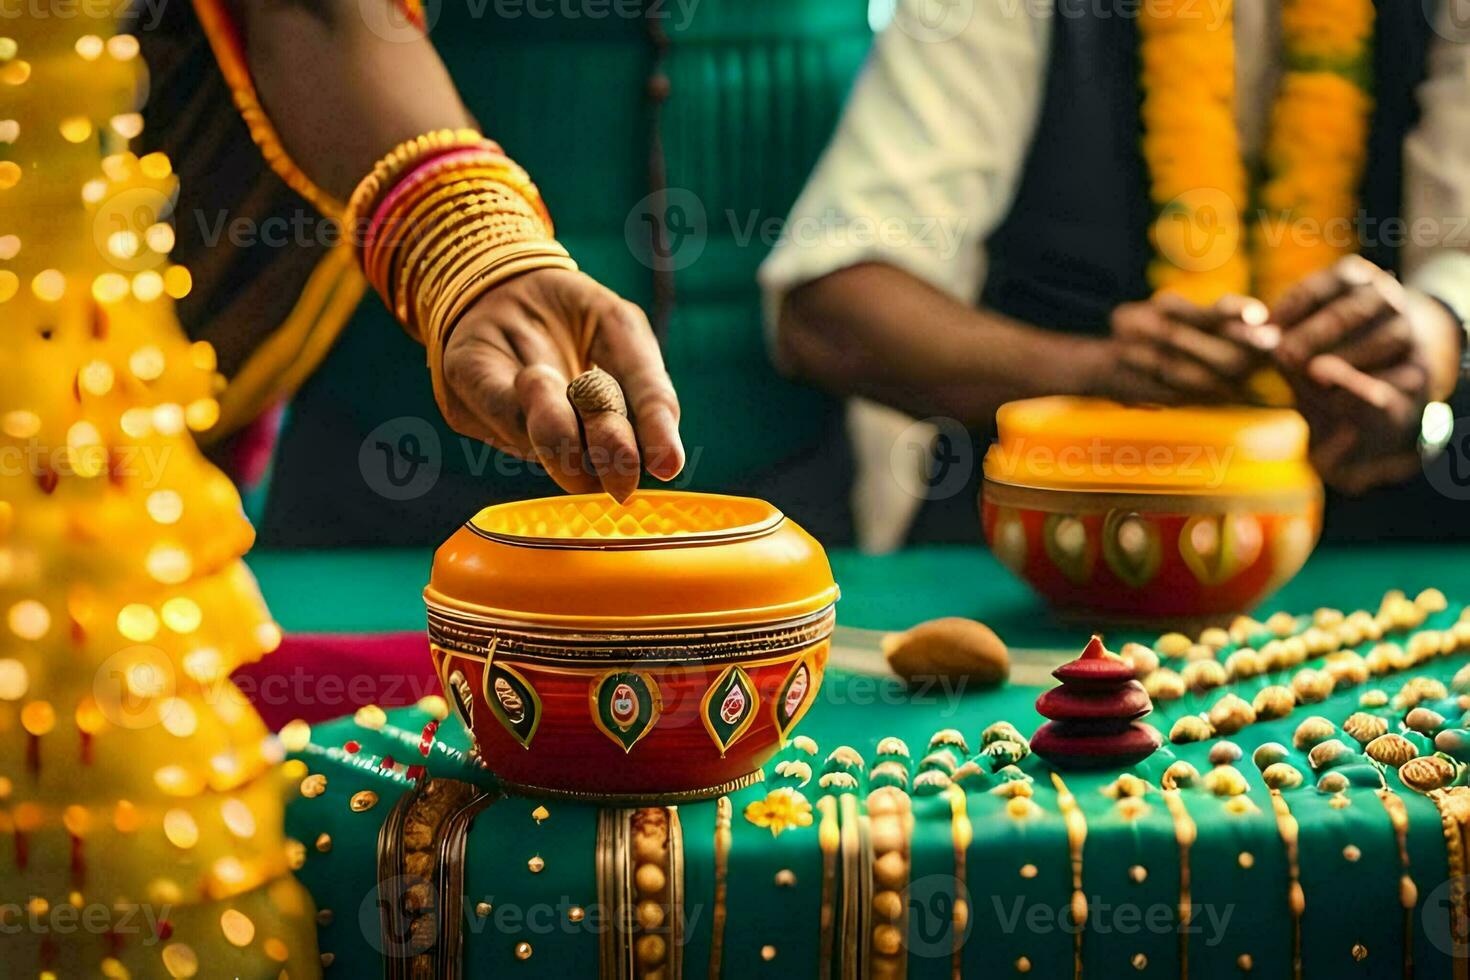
pixel 254 446
pixel 318 676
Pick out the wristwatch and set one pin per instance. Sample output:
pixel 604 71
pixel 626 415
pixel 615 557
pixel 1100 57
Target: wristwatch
pixel 1437 426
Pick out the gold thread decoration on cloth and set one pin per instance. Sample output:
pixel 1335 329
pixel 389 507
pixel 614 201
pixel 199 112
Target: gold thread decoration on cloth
pixel 1454 817
pixel 1398 816
pixel 408 912
pixel 857 885
pixel 1185 833
pixel 829 838
pixel 961 832
pixel 891 827
pixel 724 816
pixel 1076 838
pixel 1296 899
pixel 613 887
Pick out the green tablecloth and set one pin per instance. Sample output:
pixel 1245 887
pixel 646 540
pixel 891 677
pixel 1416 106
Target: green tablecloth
pixel 378 591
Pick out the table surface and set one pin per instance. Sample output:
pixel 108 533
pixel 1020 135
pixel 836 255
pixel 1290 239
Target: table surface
pixel 379 591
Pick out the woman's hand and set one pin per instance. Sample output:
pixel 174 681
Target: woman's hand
pixel 510 358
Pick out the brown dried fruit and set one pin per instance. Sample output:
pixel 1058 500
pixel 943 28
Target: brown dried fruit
pixel 1426 773
pixel 952 647
pixel 595 391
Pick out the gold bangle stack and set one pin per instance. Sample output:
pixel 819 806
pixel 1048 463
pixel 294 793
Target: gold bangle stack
pixel 403 157
pixel 444 218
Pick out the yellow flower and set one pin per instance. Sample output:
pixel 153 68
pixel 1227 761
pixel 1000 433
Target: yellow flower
pixel 1332 30
pixel 1314 156
pixel 782 809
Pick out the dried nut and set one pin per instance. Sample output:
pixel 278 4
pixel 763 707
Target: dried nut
pixel 1332 782
pixel 1273 655
pixel 1449 641
pixel 1461 681
pixel 1375 698
pixel 1172 645
pixel 1391 749
pixel 1268 754
pixel 1224 753
pixel 1225 781
pixel 1405 615
pixel 1282 624
pixel 1311 686
pixel 1006 752
pixel 1242 628
pixel 1275 701
pixel 1142 659
pixel 895 746
pixel 1003 731
pixel 952 647
pixel 1386 657
pixel 1461 632
pixel 1311 731
pixel 1126 785
pixel 1319 641
pixel 1423 646
pixel 595 392
pixel 1191 728
pixel 942 761
pixel 1199 651
pixel 1431 600
pixel 1282 775
pixel 1230 714
pixel 1418 689
pixel 1215 637
pixel 1204 675
pixel 1245 663
pixel 1164 685
pixel 1454 742
pixel 1326 754
pixel 1425 721
pixel 1327 618
pixel 1346 668
pixel 1179 775
pixel 1427 773
pixel 1364 727
pixel 1348 634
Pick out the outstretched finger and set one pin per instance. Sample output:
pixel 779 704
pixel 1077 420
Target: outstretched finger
pixel 626 348
pixel 613 452
pixel 551 427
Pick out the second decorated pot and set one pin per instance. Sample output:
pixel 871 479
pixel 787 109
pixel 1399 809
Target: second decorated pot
pixel 1147 515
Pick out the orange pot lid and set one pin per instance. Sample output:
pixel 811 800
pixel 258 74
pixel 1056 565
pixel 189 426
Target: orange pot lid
pixel 664 558
pixel 1088 444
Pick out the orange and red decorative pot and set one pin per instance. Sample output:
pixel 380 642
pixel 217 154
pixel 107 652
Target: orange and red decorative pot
pixel 657 649
pixel 1150 515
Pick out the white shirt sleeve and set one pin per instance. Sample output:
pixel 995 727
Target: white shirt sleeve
pixel 926 157
pixel 1436 253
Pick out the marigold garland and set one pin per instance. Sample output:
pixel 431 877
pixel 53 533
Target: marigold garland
pixel 1313 161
